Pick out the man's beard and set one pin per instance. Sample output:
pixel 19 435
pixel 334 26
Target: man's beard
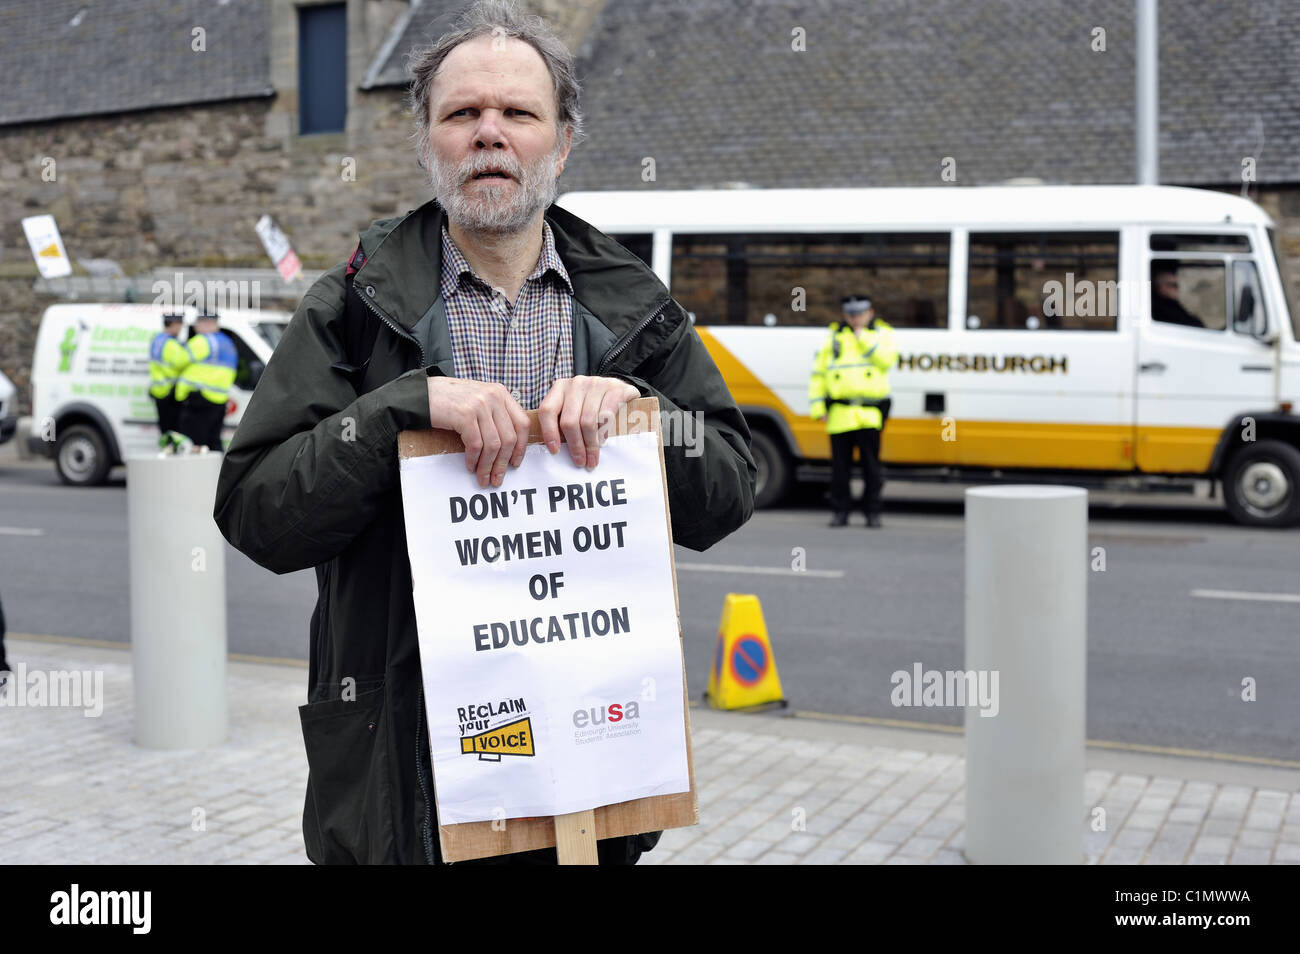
pixel 488 209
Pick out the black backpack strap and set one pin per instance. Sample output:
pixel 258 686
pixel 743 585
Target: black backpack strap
pixel 360 325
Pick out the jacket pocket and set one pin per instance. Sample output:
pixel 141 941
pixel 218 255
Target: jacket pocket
pixel 347 818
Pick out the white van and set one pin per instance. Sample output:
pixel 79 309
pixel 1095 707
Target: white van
pixel 1135 336
pixel 8 411
pixel 91 407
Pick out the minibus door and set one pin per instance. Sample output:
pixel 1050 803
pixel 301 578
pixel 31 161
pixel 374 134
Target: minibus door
pixel 1203 353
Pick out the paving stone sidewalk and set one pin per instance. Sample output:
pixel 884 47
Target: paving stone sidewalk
pixel 772 790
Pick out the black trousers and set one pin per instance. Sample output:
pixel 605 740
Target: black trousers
pixel 200 421
pixel 169 414
pixel 867 442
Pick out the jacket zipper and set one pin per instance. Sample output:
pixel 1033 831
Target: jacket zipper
pixel 626 341
pixel 392 324
pixel 419 771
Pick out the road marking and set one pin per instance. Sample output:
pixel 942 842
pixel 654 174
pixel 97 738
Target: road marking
pixel 1244 595
pixel 117 644
pixel 1091 743
pixel 767 570
pixel 21 531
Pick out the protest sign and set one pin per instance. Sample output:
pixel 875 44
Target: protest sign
pixel 47 246
pixel 550 643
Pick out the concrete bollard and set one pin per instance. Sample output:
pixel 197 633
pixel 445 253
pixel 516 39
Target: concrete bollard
pixel 178 602
pixel 1026 617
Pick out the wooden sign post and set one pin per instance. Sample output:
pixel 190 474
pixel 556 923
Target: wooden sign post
pixel 573 835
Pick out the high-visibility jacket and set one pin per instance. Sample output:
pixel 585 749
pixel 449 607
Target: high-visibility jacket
pixel 167 359
pixel 211 372
pixel 851 376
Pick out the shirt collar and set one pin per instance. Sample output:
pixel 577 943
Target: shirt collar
pixel 455 267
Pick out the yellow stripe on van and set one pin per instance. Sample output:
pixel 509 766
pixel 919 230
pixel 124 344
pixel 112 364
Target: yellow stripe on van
pixel 749 391
pixel 1041 444
pixel 1046 444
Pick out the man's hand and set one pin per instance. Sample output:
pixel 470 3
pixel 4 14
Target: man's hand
pixel 492 425
pixel 580 408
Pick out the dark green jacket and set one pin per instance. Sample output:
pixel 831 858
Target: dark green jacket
pixel 311 480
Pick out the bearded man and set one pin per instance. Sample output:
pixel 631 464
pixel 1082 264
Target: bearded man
pixel 485 303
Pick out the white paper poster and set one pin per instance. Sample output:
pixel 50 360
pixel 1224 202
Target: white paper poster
pixel 47 246
pixel 548 632
pixel 278 248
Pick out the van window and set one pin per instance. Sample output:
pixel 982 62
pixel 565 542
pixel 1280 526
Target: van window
pixel 799 279
pixel 642 246
pixel 1189 292
pixel 1059 281
pixel 1248 314
pixel 269 331
pixel 1180 242
pixel 250 365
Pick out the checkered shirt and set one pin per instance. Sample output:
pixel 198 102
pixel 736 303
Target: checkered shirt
pixel 526 345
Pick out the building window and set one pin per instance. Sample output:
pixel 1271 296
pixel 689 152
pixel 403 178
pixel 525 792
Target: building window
pixel 322 68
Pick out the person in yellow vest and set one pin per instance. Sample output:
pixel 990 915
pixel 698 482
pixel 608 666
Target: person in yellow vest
pixel 849 390
pixel 204 386
pixel 167 359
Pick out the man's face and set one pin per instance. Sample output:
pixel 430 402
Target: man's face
pixel 858 321
pixel 205 326
pixel 492 109
pixel 1167 285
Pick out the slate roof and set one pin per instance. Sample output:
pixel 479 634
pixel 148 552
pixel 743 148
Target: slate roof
pixel 66 58
pixel 423 23
pixel 711 89
pixel 887 88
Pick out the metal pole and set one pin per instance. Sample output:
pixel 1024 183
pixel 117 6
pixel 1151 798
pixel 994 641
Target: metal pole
pixel 1026 620
pixel 178 602
pixel 1147 60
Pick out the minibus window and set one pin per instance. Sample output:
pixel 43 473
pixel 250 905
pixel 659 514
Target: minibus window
pixel 1190 292
pixel 1289 282
pixel 1248 315
pixel 1061 281
pixel 799 279
pixel 1180 242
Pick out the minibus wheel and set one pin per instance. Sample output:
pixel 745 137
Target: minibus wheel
pixel 1261 484
pixel 775 472
pixel 81 456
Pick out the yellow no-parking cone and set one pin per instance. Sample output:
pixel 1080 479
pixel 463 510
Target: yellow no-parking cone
pixel 743 674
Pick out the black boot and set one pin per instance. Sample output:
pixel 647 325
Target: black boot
pixel 839 519
pixel 873 521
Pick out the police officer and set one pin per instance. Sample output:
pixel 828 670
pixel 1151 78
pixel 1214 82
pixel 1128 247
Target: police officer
pixel 167 359
pixel 849 390
pixel 204 385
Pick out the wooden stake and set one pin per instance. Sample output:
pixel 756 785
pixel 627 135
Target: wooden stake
pixel 575 838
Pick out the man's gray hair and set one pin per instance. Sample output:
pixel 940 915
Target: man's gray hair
pixel 496 18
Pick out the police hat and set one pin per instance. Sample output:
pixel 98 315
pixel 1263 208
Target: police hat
pixel 855 304
pixel 172 320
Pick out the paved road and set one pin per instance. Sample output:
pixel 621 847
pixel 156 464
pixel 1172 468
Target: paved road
pixel 1165 667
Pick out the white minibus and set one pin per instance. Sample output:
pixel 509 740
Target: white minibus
pixel 1138 336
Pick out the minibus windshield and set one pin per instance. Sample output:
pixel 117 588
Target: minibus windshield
pixel 1288 287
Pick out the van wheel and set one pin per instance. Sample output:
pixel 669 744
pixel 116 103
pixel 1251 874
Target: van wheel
pixel 775 472
pixel 1261 485
pixel 81 456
